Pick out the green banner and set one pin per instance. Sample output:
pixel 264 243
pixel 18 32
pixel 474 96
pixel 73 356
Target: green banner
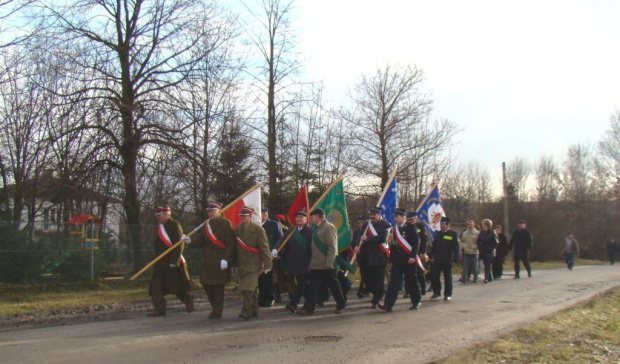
pixel 335 207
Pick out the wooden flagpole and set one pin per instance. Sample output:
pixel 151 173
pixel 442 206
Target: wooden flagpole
pixel 160 256
pixel 385 189
pixel 338 179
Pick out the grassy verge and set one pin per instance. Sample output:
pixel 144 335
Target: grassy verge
pixel 587 333
pixel 25 299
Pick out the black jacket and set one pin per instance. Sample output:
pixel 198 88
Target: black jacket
pixel 273 231
pixel 375 256
pixel 446 247
pixel 421 230
pixel 409 233
pixel 521 240
pixel 297 257
pixel 362 257
pixel 487 242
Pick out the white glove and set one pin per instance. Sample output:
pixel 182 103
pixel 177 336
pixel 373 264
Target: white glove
pixel 186 239
pixel 267 270
pixel 274 253
pixel 223 264
pixel 173 265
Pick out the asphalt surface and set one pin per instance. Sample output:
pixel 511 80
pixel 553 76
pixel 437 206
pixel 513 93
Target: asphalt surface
pixel 477 313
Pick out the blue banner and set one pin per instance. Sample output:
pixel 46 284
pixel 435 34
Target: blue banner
pixel 431 211
pixel 389 203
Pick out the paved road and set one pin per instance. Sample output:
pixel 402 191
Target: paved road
pixel 477 313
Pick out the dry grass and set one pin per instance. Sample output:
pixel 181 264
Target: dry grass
pixel 586 333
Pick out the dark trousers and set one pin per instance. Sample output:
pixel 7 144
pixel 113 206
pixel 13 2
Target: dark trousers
pixel 300 290
pixel 362 289
pixel 266 294
pixel 345 284
pixel 488 261
pixel 317 278
pixel 436 270
pixel 375 279
pixel 498 268
pixel 396 281
pixel 158 292
pixel 569 258
pixel 526 264
pixel 215 294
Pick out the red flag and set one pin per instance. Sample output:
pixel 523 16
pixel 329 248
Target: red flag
pixel 252 200
pixel 300 204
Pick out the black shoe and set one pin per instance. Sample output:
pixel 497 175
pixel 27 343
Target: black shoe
pixel 406 295
pixel 416 307
pixel 359 295
pixel 320 304
pixel 385 308
pixel 447 298
pixel 423 291
pixel 291 308
pixel 461 280
pixel 374 305
pixel 244 316
pixel 485 281
pixel 517 277
pixel 435 296
pixel 529 274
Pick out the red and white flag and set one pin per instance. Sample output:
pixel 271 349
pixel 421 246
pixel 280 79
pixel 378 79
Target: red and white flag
pixel 300 204
pixel 252 199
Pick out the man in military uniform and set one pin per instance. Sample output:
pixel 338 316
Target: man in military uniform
pixel 521 240
pixel 298 253
pixel 361 253
pixel 444 253
pixel 322 268
pixel 217 241
pixel 253 259
pixel 403 256
pixel 266 289
pixel 169 273
pixel 412 218
pixel 376 234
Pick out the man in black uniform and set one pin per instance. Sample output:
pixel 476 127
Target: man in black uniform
pixel 169 273
pixel 521 240
pixel 377 231
pixel 362 291
pixel 412 218
pixel 444 253
pixel 403 256
pixel 266 290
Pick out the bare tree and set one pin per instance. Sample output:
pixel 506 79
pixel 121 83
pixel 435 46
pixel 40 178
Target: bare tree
pixel 271 33
pixel 609 148
pixel 548 181
pixel 129 55
pixel 578 173
pixel 517 174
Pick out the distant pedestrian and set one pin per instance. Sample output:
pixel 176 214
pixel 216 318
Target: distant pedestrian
pixel 521 240
pixel 500 253
pixel 612 249
pixel 571 248
pixel 469 249
pixel 487 242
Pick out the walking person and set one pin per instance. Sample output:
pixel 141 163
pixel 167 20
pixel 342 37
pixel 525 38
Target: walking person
pixel 487 242
pixel 469 249
pixel 377 231
pixel 521 241
pixel 500 253
pixel 612 249
pixel 444 253
pixel 571 248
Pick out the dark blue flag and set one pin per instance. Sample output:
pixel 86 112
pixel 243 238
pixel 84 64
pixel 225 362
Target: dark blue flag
pixel 389 202
pixel 431 211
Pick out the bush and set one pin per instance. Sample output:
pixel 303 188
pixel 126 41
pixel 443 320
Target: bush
pixel 21 259
pixel 75 265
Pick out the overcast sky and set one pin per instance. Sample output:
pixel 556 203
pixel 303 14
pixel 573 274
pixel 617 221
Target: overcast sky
pixel 523 78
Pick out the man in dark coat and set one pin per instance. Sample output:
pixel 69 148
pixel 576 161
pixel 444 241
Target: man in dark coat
pixel 444 253
pixel 266 289
pixel 612 248
pixel 376 234
pixel 362 290
pixel 298 255
pixel 217 241
pixel 403 256
pixel 521 241
pixel 169 273
pixel 500 253
pixel 412 218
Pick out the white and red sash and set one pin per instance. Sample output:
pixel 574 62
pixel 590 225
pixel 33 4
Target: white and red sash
pixel 402 242
pixel 212 237
pixel 163 236
pixel 246 247
pixel 385 248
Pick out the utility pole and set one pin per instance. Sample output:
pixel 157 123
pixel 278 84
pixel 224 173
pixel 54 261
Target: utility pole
pixel 506 229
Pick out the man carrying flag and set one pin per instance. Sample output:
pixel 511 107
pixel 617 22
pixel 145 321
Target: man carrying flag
pixel 431 211
pixel 322 268
pixel 403 256
pixel 298 257
pixel 253 259
pixel 412 218
pixel 377 231
pixel 217 241
pixel 170 273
